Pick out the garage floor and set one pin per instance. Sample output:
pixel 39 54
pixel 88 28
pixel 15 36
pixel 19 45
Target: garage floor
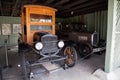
pixel 81 71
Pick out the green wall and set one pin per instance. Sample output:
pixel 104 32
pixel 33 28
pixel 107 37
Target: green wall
pixel 96 21
pixel 13 37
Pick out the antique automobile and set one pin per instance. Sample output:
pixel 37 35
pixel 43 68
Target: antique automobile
pixel 85 42
pixel 38 36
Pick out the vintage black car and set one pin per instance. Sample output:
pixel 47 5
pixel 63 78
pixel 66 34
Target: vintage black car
pixel 77 35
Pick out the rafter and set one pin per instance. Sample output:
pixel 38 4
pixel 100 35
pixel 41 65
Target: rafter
pixel 95 8
pixel 85 10
pixel 14 8
pixel 84 5
pixel 9 3
pixel 76 3
pixel 48 2
pixel 1 8
pixel 22 4
pixel 33 1
pixel 61 2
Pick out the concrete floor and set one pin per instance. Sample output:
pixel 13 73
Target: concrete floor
pixel 81 71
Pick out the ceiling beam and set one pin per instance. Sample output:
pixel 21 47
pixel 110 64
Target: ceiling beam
pixel 21 9
pixel 1 8
pixel 59 7
pixel 88 11
pixel 85 10
pixel 33 1
pixel 61 2
pixel 75 3
pixel 48 2
pixel 92 3
pixel 8 9
pixel 94 9
pixel 14 8
pixel 9 3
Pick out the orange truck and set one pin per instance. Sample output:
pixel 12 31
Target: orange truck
pixel 38 35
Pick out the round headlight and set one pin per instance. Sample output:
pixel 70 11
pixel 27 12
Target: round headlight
pixel 60 44
pixel 38 46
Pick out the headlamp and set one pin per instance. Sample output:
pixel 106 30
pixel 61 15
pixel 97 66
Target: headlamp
pixel 38 46
pixel 60 44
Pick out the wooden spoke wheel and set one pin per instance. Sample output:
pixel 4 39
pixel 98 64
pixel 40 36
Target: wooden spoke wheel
pixel 71 54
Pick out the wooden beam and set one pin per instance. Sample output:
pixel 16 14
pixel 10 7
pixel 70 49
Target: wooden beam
pixel 59 7
pixel 48 2
pixel 85 10
pixel 91 10
pixel 1 8
pixel 84 5
pixel 15 6
pixel 33 1
pixel 88 4
pixel 76 3
pixel 9 3
pixel 61 2
pixel 22 5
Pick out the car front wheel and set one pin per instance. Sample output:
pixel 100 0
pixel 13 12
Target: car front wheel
pixel 71 54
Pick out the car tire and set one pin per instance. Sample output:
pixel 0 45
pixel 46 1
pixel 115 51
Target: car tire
pixel 71 53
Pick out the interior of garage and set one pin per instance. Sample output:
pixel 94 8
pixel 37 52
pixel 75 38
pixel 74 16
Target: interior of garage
pixel 100 16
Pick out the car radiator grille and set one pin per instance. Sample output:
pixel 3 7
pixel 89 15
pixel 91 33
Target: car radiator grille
pixel 49 43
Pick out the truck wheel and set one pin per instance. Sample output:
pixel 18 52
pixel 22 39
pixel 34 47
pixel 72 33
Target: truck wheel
pixel 71 53
pixel 85 51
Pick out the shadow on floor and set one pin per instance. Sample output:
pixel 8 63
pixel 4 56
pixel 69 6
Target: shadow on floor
pixel 81 71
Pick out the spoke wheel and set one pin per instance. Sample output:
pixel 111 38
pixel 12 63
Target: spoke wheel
pixel 71 54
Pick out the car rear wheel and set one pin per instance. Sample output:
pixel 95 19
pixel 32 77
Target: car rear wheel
pixel 85 51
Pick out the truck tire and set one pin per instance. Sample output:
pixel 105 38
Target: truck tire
pixel 71 54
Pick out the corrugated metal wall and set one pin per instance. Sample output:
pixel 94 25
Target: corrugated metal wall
pixel 73 19
pixel 95 22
